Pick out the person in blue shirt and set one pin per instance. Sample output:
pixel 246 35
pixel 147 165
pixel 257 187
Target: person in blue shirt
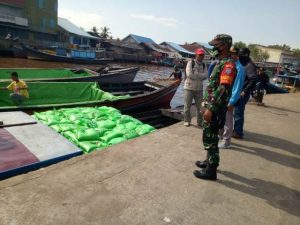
pixel 235 95
pixel 211 66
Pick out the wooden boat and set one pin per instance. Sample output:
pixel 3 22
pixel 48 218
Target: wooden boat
pixel 273 89
pixel 289 83
pixel 127 97
pixel 110 75
pixel 32 53
pixel 18 51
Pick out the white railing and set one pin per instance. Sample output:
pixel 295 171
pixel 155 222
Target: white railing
pixel 14 19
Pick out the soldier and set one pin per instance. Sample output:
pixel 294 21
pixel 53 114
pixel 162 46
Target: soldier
pixel 216 98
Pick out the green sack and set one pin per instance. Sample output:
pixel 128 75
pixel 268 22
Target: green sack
pixel 101 131
pixel 114 116
pixel 81 121
pixel 106 124
pixel 120 128
pixel 107 109
pixel 131 134
pixel 57 128
pixel 117 140
pixel 41 116
pixel 111 135
pixel 51 120
pixel 88 135
pixel 125 119
pixel 131 125
pixel 65 121
pixel 67 127
pixel 92 124
pixel 74 117
pixel 144 129
pixel 87 146
pixel 71 136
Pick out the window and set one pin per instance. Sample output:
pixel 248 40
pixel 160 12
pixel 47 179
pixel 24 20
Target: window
pixel 43 23
pixel 52 23
pixel 40 3
pixel 55 7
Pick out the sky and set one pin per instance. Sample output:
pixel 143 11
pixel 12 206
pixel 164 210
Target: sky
pixel 264 22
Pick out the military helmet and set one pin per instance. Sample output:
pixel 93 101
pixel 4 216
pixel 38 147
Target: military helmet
pixel 221 38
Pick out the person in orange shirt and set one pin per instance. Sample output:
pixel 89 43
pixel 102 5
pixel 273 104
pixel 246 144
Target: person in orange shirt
pixel 19 89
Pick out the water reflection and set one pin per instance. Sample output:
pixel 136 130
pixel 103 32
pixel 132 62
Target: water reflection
pixel 147 72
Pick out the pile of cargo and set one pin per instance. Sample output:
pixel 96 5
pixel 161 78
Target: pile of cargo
pixel 93 128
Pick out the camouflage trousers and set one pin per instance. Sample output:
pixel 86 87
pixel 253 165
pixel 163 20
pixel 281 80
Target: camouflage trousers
pixel 210 137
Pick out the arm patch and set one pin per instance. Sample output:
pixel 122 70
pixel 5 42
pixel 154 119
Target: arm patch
pixel 228 74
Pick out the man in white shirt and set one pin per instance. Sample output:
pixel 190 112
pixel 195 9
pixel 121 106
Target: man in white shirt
pixel 196 72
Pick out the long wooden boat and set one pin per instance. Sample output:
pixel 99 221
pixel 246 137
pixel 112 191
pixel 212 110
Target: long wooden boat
pixel 273 89
pixel 18 51
pixel 127 97
pixel 112 75
pixel 32 53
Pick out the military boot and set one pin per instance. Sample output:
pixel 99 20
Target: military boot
pixel 209 173
pixel 202 164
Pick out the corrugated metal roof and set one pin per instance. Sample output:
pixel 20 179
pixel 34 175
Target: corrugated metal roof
pixel 72 28
pixel 206 45
pixel 179 48
pixel 141 39
pixel 157 48
pixel 193 47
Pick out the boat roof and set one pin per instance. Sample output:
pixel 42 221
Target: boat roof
pixel 72 28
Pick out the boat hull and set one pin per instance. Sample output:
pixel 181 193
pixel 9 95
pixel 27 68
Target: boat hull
pixel 18 51
pixel 124 75
pixel 160 96
pixel 38 55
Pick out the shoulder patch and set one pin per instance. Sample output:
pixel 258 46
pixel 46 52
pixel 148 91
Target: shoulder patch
pixel 228 74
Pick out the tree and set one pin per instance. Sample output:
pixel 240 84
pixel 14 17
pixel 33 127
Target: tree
pixel 94 32
pixel 104 32
pixel 239 45
pixel 257 54
pixel 296 52
pixel 281 47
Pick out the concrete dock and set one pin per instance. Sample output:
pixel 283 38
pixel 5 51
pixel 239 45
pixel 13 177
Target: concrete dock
pixel 149 180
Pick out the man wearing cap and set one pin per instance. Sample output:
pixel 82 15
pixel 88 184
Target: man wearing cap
pixel 193 89
pixel 216 98
pixel 235 95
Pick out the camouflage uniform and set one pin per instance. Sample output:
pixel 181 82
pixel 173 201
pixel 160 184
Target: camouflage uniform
pixel 216 97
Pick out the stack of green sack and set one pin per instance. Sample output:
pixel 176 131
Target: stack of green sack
pixel 93 128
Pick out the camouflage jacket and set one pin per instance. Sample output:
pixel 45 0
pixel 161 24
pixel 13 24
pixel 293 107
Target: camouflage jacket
pixel 218 91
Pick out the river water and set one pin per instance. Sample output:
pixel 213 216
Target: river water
pixel 146 72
